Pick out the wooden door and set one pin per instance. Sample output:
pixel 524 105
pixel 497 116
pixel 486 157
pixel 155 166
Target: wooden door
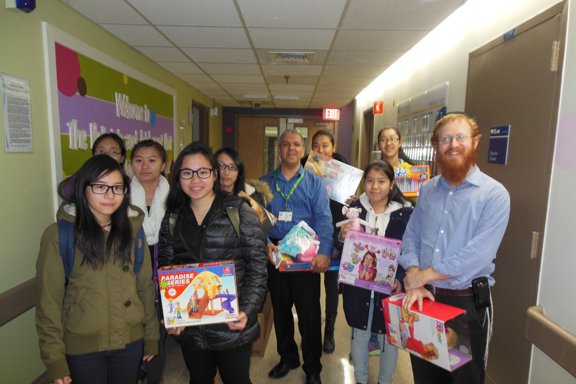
pixel 251 143
pixel 516 81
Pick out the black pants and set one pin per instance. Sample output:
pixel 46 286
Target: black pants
pixel 233 364
pixel 470 373
pixel 119 366
pixel 301 289
pixel 155 367
pixel 331 289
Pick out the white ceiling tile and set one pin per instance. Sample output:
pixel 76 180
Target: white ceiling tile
pixel 380 58
pixel 198 78
pixel 294 39
pixel 353 70
pixel 345 80
pixel 189 12
pixel 292 13
pixel 181 68
pixel 377 40
pixel 248 79
pixel 282 88
pixel 219 55
pixel 231 69
pixel 107 11
pixel 281 80
pixel 400 15
pixel 291 70
pixel 206 37
pixel 141 35
pixel 164 54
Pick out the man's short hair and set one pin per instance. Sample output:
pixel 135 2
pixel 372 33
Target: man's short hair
pixel 290 131
pixel 455 116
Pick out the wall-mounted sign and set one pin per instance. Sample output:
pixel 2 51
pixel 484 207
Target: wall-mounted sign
pixel 378 108
pixel 498 147
pixel 331 114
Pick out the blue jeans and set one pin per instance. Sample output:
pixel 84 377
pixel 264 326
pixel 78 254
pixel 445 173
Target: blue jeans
pixel 388 353
pixel 119 366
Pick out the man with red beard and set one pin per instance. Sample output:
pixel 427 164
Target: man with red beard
pixel 451 240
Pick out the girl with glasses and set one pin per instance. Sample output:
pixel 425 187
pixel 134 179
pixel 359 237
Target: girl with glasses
pixel 112 145
pixel 98 327
pixel 149 189
pixel 390 145
pixel 197 228
pixel 233 179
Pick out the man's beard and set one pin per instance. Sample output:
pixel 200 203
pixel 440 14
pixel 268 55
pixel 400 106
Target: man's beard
pixel 455 170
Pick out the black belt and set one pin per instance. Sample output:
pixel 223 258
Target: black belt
pixel 450 292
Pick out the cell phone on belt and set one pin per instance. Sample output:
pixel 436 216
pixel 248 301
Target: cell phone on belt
pixel 481 290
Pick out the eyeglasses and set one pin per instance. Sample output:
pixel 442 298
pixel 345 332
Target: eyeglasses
pixel 387 140
pixel 230 167
pixel 111 153
pixel 448 139
pixel 203 173
pixel 102 189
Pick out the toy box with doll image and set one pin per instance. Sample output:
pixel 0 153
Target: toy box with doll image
pixel 297 249
pixel 198 294
pixel 438 333
pixel 369 261
pixel 341 180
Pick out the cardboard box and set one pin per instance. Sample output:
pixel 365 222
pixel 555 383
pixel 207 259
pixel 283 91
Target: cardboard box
pixel 265 319
pixel 369 261
pixel 198 294
pixel 438 333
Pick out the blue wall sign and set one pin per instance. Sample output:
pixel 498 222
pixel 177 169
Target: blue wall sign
pixel 498 148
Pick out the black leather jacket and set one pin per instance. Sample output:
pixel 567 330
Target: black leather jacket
pixel 220 242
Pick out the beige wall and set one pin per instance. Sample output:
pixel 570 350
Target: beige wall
pixel 26 191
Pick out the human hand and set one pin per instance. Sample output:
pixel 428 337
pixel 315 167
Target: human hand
pixel 270 249
pixel 415 278
pixel 397 287
pixel 416 295
pixel 147 358
pixel 175 331
pixel 345 229
pixel 63 380
pixel 320 263
pixel 239 324
pixel 351 199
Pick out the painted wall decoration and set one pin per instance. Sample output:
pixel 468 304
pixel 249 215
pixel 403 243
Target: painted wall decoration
pixel 91 94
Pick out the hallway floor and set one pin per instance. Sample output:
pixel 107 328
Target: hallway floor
pixel 337 369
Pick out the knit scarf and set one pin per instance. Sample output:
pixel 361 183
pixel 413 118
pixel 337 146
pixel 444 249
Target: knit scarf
pixel 152 219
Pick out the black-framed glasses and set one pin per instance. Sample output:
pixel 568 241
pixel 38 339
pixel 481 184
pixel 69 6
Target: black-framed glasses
pixel 202 173
pixel 102 189
pixel 230 167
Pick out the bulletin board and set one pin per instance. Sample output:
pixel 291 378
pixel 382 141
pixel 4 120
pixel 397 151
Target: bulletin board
pixel 90 93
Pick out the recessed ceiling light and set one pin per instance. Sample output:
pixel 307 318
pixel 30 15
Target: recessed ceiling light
pixel 286 97
pixel 255 96
pixel 292 57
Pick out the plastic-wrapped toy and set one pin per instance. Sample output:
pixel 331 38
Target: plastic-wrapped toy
pixel 301 243
pixel 353 216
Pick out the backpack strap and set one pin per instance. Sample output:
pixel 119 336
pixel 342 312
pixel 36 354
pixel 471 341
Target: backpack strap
pixel 139 244
pixel 66 242
pixel 234 217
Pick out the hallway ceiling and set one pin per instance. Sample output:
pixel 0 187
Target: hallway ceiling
pixel 278 53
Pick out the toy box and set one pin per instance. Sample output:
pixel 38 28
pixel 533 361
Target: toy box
pixel 341 180
pixel 369 261
pixel 198 294
pixel 411 178
pixel 438 333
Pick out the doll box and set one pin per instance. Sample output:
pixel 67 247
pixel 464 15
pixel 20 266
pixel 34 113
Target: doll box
pixel 438 333
pixel 369 261
pixel 198 294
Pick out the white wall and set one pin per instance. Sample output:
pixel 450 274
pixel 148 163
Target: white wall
pixel 443 56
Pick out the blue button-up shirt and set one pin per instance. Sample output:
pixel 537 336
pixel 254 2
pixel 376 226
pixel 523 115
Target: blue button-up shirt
pixel 309 202
pixel 457 231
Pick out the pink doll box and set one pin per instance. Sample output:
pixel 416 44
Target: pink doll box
pixel 438 333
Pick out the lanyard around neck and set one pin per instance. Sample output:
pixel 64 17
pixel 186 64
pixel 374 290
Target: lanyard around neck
pixel 286 197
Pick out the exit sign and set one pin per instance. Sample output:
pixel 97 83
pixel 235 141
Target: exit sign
pixel 331 114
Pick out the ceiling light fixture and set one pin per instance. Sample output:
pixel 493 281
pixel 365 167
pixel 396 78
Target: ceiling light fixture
pixel 255 96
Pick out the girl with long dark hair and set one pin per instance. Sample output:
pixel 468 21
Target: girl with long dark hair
pixel 97 327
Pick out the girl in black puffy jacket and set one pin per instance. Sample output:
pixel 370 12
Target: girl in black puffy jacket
pixel 202 231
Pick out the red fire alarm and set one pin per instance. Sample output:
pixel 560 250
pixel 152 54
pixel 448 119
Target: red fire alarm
pixel 378 108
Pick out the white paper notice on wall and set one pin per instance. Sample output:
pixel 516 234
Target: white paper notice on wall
pixel 17 116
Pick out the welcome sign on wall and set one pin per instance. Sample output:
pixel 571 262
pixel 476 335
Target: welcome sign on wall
pixel 91 94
